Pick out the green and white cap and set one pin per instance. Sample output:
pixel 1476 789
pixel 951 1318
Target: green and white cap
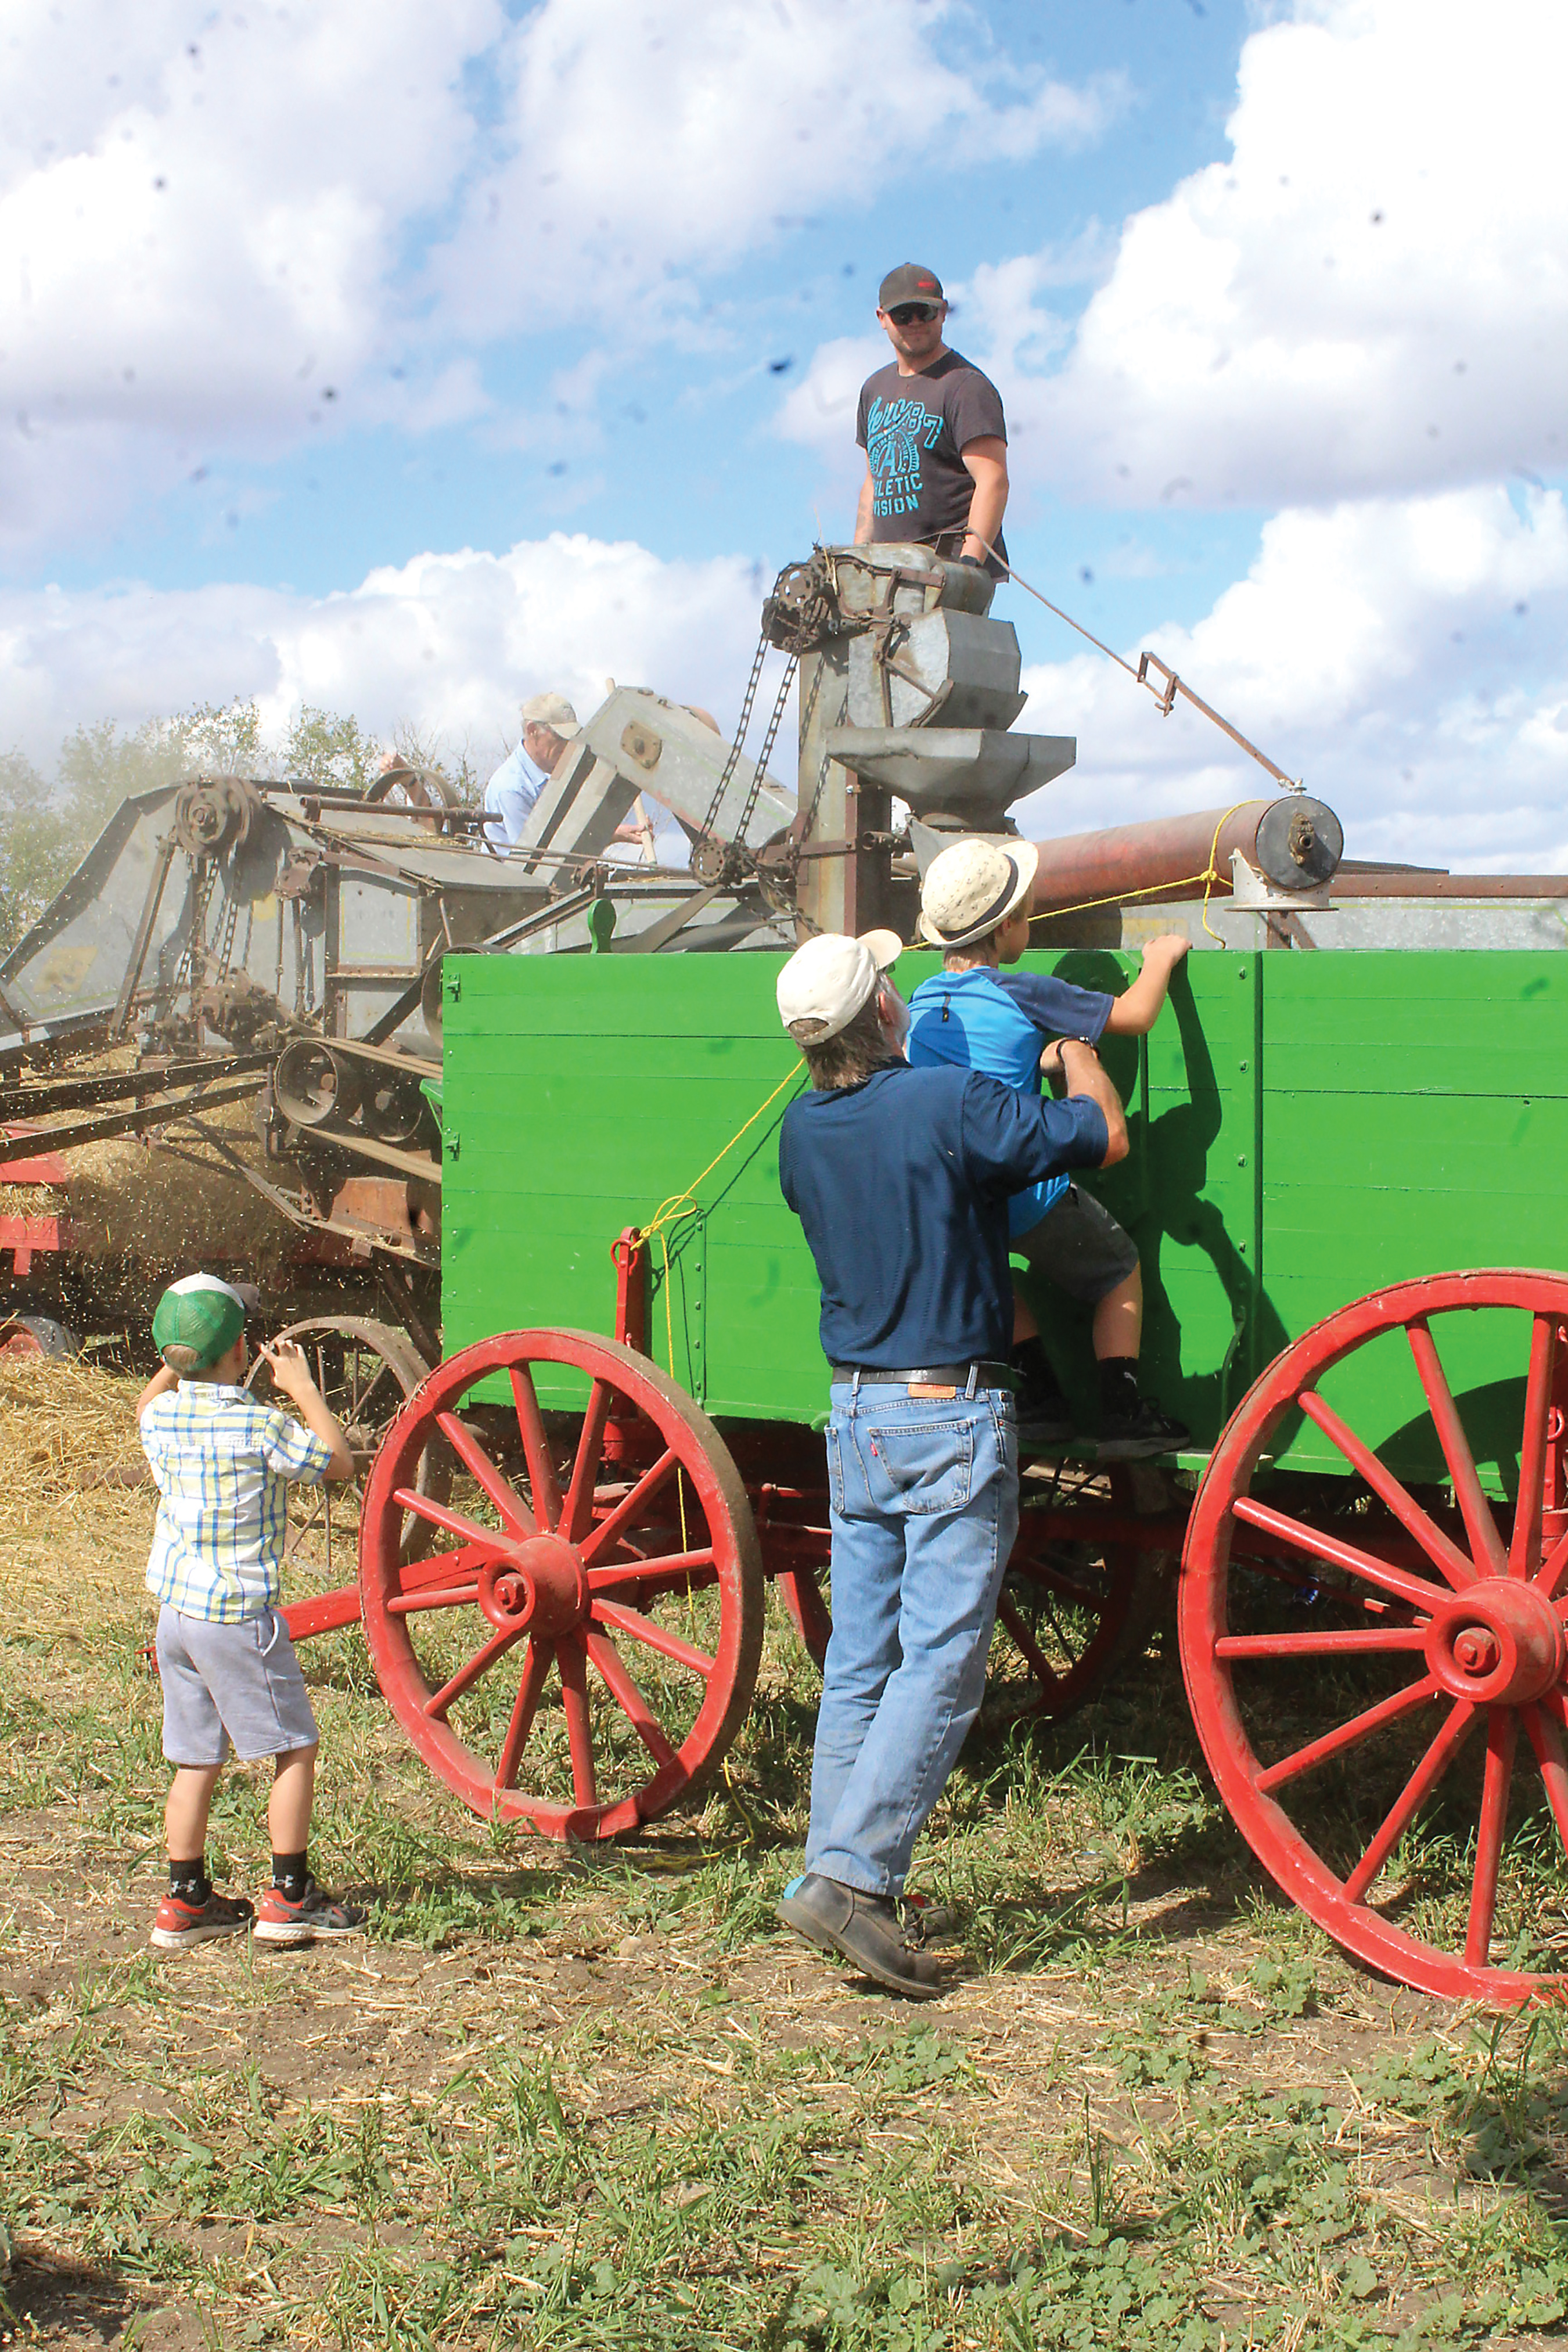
pixel 197 1321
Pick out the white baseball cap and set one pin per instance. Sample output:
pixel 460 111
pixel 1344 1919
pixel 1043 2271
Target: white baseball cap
pixel 972 887
pixel 552 711
pixel 831 978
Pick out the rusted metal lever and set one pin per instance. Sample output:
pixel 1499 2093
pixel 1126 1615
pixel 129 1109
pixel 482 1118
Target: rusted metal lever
pixel 1165 695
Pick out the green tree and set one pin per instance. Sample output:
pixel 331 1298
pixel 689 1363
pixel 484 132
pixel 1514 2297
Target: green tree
pixel 37 846
pixel 102 764
pixel 334 753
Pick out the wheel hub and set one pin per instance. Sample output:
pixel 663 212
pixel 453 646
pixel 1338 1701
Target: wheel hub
pixel 1500 1641
pixel 537 1586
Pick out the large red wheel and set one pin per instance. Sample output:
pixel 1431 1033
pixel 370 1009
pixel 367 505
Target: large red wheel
pixel 1075 1600
pixel 1377 1670
pixel 577 1643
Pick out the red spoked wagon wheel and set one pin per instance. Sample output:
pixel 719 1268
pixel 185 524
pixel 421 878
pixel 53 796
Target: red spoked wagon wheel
pixel 575 1644
pixel 1377 1671
pixel 1073 1602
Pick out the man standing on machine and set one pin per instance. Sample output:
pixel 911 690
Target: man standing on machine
pixel 934 433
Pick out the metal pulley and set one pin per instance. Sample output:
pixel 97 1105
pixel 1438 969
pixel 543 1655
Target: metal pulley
pixel 313 1085
pixel 215 813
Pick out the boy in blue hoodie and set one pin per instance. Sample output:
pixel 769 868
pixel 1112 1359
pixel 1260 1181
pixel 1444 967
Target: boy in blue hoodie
pixel 976 905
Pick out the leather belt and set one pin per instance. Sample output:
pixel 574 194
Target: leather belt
pixel 986 1375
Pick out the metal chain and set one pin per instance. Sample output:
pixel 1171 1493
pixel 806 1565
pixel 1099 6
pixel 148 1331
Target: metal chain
pixel 766 754
pixel 742 730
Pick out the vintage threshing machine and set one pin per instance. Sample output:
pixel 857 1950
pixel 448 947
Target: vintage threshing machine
pixel 1356 1098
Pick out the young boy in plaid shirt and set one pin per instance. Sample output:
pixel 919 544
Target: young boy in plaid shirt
pixel 224 1463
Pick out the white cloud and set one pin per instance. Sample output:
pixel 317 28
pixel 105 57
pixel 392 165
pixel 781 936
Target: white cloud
pixel 197 248
pixel 1378 651
pixel 652 142
pixel 1371 296
pixel 450 642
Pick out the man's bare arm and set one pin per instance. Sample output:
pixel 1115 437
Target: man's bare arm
pixel 863 511
pixel 986 460
pixel 1084 1075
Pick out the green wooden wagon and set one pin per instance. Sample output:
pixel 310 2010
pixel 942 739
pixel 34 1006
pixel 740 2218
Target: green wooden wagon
pixel 567 1530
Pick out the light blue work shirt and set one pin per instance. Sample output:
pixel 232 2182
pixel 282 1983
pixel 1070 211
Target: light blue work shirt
pixel 509 797
pixel 999 1022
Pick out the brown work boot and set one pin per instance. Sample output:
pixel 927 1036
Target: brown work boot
pixel 864 1929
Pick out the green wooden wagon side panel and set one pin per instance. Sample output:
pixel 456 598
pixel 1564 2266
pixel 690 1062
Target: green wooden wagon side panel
pixel 582 1093
pixel 1415 1122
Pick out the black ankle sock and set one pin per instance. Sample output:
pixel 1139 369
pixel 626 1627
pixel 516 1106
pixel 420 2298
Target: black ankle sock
pixel 1032 1360
pixel 1119 1384
pixel 289 1875
pixel 189 1880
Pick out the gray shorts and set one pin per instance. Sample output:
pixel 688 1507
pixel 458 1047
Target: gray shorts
pixel 1079 1246
pixel 231 1682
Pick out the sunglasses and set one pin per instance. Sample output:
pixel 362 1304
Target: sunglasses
pixel 906 313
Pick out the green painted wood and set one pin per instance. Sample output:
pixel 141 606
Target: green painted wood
pixel 1305 1128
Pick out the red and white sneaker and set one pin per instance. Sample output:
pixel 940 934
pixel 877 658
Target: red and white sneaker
pixel 313 1919
pixel 180 1923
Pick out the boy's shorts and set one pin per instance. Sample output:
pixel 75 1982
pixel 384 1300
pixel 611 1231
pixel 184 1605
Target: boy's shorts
pixel 1079 1246
pixel 223 1683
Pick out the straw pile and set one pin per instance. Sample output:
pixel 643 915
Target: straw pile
pixel 149 1203
pixel 66 1430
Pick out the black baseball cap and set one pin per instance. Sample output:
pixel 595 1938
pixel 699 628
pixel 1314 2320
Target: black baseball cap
pixel 909 283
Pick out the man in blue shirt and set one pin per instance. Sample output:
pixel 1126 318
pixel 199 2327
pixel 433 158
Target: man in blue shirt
pixel 548 723
pixel 976 905
pixel 901 1179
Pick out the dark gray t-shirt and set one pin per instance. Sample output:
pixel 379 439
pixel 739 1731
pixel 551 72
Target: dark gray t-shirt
pixel 913 429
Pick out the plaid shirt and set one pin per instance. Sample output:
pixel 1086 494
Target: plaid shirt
pixel 223 1464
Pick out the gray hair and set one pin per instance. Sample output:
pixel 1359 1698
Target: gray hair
pixel 850 1058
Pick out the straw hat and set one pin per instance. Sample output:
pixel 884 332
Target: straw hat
pixel 974 886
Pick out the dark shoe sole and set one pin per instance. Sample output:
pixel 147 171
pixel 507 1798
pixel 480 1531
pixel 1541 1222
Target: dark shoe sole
pixel 911 1987
pixel 1138 1449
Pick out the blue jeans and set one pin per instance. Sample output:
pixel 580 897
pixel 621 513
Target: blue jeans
pixel 924 1500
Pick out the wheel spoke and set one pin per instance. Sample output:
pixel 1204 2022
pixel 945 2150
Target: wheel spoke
pixel 579 1500
pixel 1355 1642
pixel 1417 1788
pixel 1441 1550
pixel 1556 1560
pixel 439 1596
pixel 1322 1546
pixel 605 1534
pixel 481 1662
pixel 1046 1572
pixel 1486 1543
pixel 1546 1738
pixel 662 1565
pixel 484 1539
pixel 643 1629
pixel 535 1666
pixel 579 1725
pixel 543 1483
pixel 1502 1734
pixel 1028 1648
pixel 441 1567
pixel 1348 1735
pixel 633 1704
pixel 1524 1551
pixel 477 1462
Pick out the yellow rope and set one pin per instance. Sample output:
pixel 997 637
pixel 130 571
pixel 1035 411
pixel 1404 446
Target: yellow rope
pixel 1208 877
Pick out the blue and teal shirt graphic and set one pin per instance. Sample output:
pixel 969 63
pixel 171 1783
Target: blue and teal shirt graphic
pixel 898 433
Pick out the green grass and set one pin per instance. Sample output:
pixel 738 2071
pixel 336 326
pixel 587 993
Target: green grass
pixel 583 2098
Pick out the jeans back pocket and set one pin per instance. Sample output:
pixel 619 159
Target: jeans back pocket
pixel 919 1466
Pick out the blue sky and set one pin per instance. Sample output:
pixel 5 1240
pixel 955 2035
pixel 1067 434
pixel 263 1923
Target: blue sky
pixel 304 307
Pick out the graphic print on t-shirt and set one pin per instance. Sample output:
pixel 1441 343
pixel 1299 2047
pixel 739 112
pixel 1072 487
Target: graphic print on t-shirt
pixel 898 432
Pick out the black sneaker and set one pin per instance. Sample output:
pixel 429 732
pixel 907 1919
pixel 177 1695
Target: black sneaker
pixel 179 1923
pixel 313 1919
pixel 864 1929
pixel 1045 1417
pixel 1136 1437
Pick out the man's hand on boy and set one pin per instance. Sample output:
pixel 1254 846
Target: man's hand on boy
pixel 291 1369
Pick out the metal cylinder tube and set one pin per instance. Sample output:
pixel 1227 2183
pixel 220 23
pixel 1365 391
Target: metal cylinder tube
pixel 313 1085
pixel 1294 842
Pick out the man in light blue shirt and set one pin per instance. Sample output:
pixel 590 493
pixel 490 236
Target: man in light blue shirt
pixel 548 723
